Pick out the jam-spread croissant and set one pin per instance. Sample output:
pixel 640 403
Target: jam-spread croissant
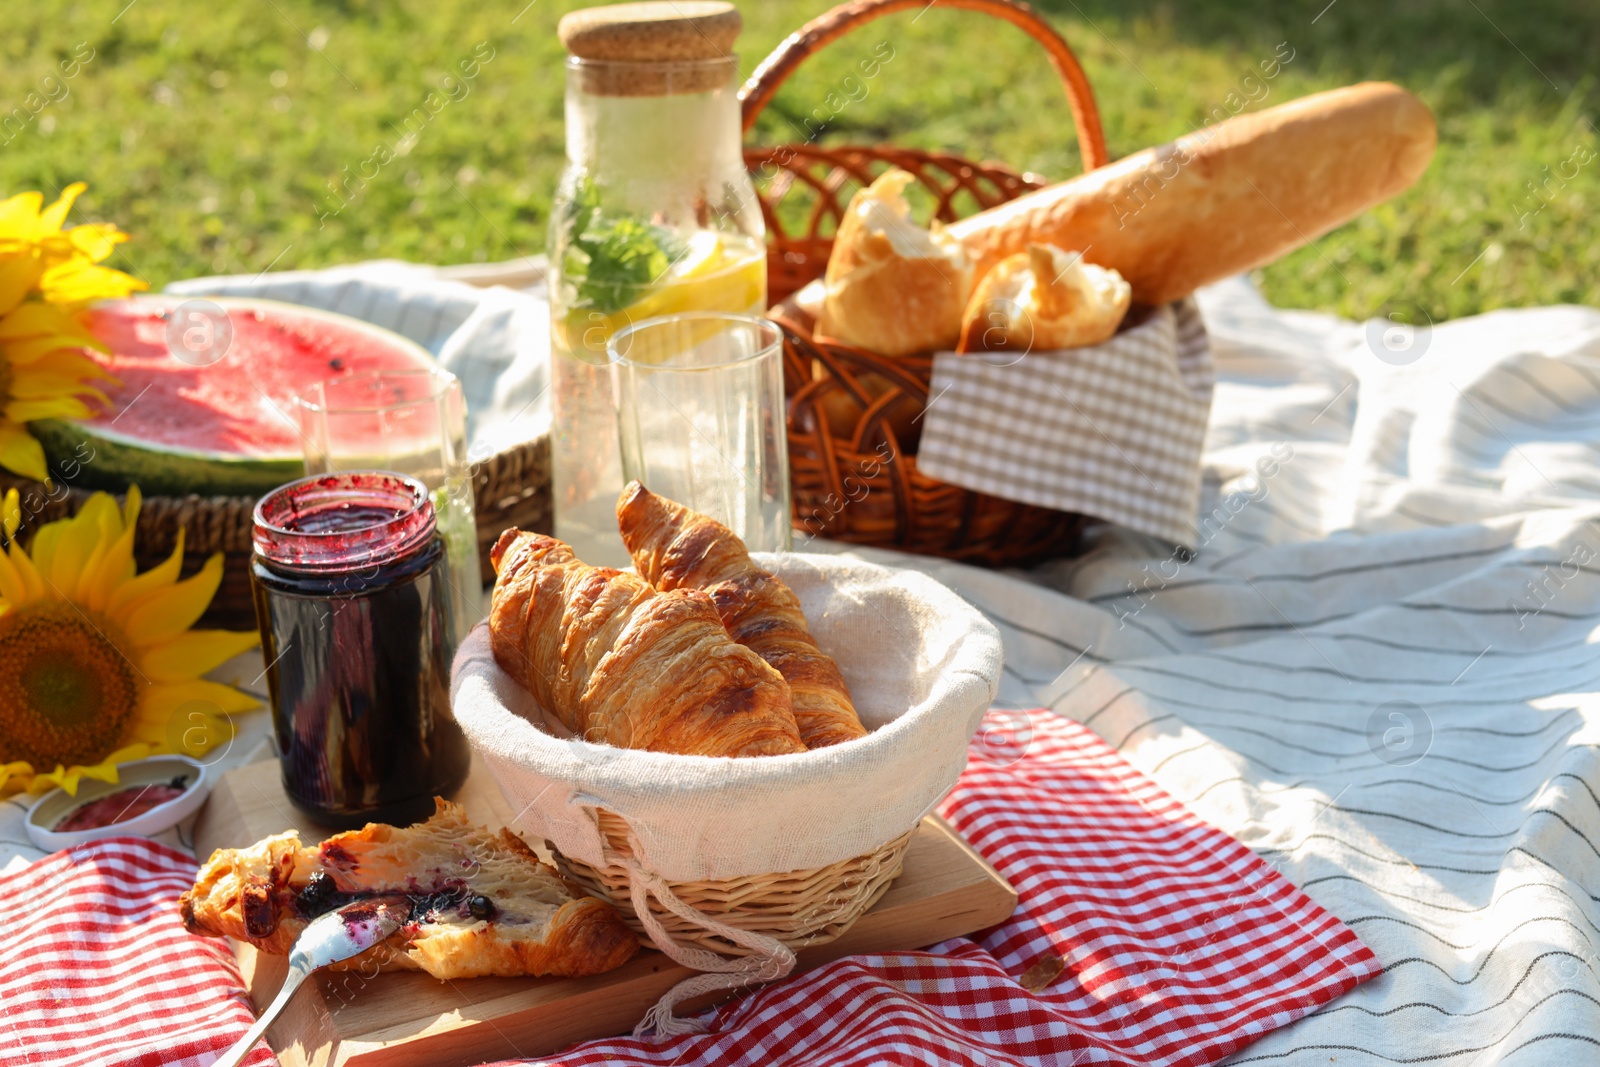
pixel 675 548
pixel 619 663
pixel 481 902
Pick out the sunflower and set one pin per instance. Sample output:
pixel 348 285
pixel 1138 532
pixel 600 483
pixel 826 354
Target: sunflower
pixel 98 664
pixel 47 276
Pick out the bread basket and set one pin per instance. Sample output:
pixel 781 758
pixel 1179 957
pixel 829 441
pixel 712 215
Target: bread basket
pixel 728 865
pixel 855 478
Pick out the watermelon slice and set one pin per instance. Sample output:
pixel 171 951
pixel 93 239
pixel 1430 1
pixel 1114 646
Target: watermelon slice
pixel 217 422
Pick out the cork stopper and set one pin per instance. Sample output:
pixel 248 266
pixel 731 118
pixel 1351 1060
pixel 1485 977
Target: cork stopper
pixel 653 48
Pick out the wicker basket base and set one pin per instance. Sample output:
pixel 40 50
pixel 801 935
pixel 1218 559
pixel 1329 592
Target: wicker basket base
pixel 799 908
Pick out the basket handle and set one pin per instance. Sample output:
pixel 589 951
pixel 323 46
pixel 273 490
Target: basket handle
pixel 766 79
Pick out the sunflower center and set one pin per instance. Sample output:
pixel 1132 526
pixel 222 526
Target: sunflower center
pixel 67 693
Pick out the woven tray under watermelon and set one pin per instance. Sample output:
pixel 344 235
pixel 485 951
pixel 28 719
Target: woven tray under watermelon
pixel 510 489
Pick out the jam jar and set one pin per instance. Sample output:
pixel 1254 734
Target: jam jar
pixel 352 597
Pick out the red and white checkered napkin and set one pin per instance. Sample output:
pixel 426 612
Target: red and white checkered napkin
pixel 96 968
pixel 1145 936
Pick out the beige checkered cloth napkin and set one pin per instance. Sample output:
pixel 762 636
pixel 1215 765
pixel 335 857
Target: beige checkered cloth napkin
pixel 1112 431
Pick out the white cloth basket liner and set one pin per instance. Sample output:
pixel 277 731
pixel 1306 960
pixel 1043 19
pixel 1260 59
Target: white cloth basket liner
pixel 922 665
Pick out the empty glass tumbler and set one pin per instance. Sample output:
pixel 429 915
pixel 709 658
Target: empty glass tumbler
pixel 412 422
pixel 700 418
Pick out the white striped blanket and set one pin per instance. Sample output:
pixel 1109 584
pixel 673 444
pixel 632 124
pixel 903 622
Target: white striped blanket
pixel 1379 671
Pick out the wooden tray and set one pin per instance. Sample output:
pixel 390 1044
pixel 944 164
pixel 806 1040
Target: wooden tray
pixel 946 890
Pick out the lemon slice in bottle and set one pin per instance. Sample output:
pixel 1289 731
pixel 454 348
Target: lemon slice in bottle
pixel 716 272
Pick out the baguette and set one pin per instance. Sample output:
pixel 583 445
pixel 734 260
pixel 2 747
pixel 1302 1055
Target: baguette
pixel 1225 199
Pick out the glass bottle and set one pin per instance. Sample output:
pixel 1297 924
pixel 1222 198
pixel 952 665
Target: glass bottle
pixel 355 612
pixel 655 214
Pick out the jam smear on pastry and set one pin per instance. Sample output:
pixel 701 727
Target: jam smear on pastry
pixel 482 903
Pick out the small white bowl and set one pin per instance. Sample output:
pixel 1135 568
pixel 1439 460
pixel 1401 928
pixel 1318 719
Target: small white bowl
pixel 54 807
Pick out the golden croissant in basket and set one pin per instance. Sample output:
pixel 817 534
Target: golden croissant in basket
pixel 621 663
pixel 676 548
pixel 481 903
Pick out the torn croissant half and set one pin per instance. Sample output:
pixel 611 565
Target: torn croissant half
pixel 891 286
pixel 482 903
pixel 676 548
pixel 620 663
pixel 1044 299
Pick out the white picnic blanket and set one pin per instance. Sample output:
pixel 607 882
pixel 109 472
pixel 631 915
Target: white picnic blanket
pixel 1377 671
pixel 1380 669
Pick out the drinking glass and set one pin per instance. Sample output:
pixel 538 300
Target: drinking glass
pixel 410 422
pixel 700 418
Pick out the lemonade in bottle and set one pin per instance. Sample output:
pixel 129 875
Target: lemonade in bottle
pixel 655 214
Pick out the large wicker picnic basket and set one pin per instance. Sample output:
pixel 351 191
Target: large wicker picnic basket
pixel 854 415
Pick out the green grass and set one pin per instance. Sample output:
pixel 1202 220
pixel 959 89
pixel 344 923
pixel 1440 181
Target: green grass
pixel 212 131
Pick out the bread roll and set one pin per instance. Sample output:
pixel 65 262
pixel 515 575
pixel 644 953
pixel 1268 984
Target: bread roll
pixel 1225 199
pixel 893 287
pixel 1043 299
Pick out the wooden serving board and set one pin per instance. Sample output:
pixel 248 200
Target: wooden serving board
pixel 406 1017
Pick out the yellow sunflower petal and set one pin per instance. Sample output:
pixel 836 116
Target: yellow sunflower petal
pixel 96 240
pixel 43 385
pixel 114 567
pixel 192 654
pixel 104 771
pixel 170 611
pixel 15 777
pixel 61 549
pixel 15 589
pixel 130 596
pixel 52 218
pixel 72 365
pixel 78 281
pixel 130 507
pixel 31 587
pixel 11 513
pixel 163 698
pixel 106 534
pixel 65 407
pixel 18 276
pixel 19 215
pixel 37 349
pixel 20 453
pixel 35 318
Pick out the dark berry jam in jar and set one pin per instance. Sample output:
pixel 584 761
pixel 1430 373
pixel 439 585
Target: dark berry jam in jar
pixel 353 600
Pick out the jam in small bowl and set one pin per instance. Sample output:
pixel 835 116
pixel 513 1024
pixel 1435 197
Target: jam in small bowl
pixel 149 797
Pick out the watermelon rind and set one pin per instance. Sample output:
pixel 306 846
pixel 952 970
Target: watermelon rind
pixel 83 456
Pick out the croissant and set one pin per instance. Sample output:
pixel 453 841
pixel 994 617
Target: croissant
pixel 676 549
pixel 621 664
pixel 482 903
